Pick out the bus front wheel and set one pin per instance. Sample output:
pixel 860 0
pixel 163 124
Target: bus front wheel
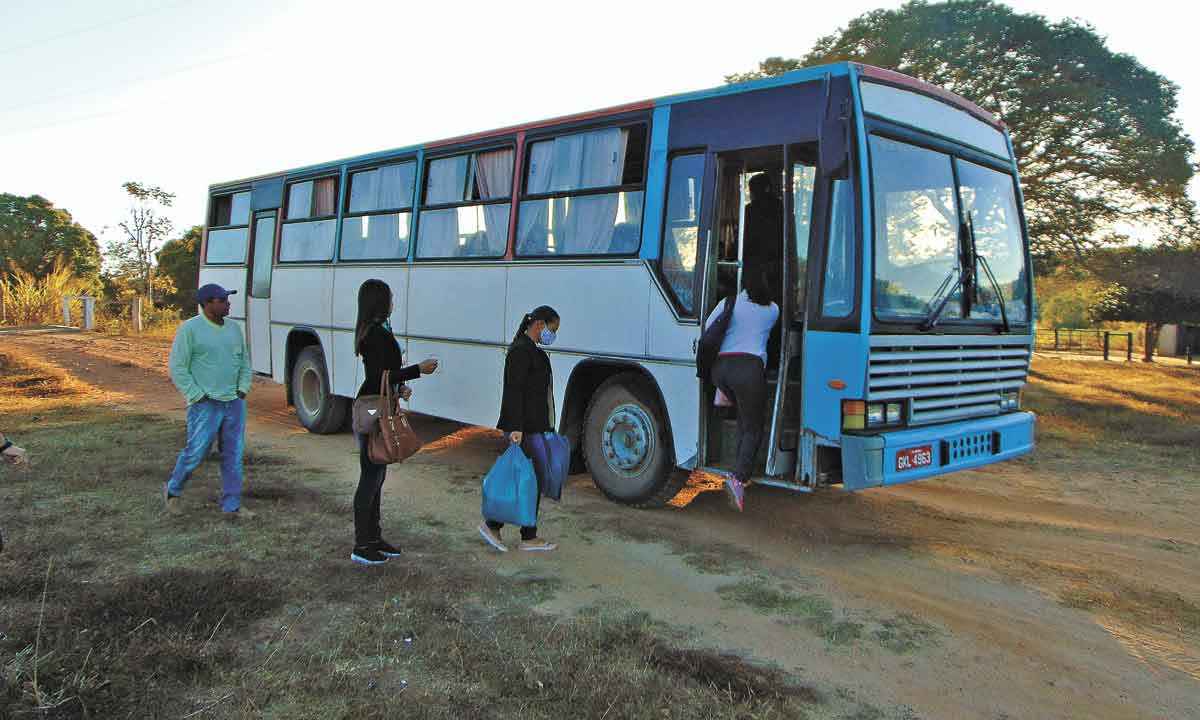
pixel 319 410
pixel 626 445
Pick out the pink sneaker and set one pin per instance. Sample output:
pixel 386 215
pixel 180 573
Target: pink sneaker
pixel 735 493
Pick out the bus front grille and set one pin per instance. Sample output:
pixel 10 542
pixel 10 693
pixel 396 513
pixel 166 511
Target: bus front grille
pixel 946 378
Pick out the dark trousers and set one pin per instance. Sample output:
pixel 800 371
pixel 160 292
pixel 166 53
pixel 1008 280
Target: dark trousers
pixel 527 533
pixel 366 498
pixel 743 379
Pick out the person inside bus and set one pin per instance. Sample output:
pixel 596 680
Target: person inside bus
pixel 527 407
pixel 374 341
pixel 740 373
pixel 764 242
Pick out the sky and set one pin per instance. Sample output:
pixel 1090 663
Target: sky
pixel 185 93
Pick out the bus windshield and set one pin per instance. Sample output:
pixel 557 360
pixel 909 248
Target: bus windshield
pixel 919 211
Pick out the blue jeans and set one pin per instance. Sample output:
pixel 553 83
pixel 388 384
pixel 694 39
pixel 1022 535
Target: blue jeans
pixel 205 419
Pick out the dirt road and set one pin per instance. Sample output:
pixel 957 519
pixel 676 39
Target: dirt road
pixel 1024 591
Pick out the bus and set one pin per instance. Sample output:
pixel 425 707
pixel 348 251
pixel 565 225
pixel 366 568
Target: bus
pixel 885 211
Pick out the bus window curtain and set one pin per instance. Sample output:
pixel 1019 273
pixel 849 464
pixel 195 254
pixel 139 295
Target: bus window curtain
pixel 324 194
pixel 493 176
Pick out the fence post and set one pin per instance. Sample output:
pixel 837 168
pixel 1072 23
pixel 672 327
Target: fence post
pixel 1128 347
pixel 137 315
pixel 66 305
pixel 1106 335
pixel 89 312
pixel 1055 339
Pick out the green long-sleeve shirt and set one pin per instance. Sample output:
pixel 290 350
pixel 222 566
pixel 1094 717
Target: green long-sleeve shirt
pixel 209 359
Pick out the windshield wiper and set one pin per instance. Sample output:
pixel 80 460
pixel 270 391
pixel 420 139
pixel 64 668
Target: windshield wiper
pixel 942 295
pixel 987 269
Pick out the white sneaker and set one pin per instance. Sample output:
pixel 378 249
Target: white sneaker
pixel 538 545
pixel 491 538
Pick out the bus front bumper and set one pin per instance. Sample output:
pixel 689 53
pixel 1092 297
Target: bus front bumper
pixel 914 454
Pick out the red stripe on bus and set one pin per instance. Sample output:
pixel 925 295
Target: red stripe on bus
pixel 578 117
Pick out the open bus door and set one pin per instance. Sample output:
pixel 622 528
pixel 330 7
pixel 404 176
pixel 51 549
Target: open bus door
pixel 753 230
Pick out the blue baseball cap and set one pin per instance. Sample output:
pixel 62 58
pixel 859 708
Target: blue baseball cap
pixel 213 291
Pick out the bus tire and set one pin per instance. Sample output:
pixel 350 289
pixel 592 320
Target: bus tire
pixel 626 444
pixel 319 410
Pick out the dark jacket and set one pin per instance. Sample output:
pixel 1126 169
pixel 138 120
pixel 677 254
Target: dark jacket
pixel 380 352
pixel 528 384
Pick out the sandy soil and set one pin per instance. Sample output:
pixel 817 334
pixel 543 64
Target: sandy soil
pixel 989 594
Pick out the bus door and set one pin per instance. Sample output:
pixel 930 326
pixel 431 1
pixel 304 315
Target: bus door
pixel 747 232
pixel 258 291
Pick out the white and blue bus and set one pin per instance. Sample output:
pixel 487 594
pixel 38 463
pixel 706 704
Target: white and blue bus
pixel 892 230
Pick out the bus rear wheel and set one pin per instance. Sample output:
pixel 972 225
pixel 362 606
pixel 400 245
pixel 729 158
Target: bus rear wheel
pixel 626 444
pixel 319 410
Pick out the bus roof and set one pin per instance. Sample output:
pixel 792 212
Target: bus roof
pixel 792 77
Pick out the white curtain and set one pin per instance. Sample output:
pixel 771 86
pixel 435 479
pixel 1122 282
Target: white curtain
pixel 437 233
pixel 447 180
pixel 597 160
pixel 493 175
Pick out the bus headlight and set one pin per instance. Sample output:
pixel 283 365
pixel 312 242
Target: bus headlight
pixel 1010 400
pixel 859 415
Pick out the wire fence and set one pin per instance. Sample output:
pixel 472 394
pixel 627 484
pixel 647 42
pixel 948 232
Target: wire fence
pixel 1109 344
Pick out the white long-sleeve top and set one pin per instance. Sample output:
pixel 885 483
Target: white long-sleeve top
pixel 749 328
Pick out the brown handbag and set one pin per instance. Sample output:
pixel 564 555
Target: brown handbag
pixel 392 440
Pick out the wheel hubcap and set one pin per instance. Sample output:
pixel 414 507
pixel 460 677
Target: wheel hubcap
pixel 310 391
pixel 628 442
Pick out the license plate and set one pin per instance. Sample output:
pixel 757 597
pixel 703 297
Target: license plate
pixel 914 457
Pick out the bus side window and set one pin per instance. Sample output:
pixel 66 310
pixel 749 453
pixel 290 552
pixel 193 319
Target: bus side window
pixel 681 233
pixel 837 300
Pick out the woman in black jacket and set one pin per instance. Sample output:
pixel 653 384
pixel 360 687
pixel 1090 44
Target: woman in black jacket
pixel 374 341
pixel 527 406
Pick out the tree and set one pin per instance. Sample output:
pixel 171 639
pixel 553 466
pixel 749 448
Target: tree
pixel 1095 132
pixel 35 235
pixel 179 260
pixel 1154 286
pixel 144 230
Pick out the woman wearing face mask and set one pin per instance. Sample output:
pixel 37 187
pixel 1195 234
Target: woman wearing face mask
pixel 374 341
pixel 527 406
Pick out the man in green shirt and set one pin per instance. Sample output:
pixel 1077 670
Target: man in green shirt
pixel 209 366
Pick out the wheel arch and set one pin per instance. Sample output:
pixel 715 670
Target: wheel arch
pixel 299 337
pixel 586 378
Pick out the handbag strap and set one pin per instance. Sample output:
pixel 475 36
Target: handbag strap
pixel 385 390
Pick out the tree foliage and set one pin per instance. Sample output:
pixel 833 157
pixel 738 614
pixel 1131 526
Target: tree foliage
pixel 179 260
pixel 143 230
pixel 1097 141
pixel 1152 286
pixel 35 236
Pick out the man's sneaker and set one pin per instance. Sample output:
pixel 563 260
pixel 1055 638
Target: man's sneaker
pixel 368 556
pixel 171 502
pixel 386 549
pixel 491 537
pixel 537 545
pixel 735 492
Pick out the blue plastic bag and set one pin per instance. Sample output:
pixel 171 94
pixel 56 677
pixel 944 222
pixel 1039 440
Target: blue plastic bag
pixel 510 490
pixel 551 455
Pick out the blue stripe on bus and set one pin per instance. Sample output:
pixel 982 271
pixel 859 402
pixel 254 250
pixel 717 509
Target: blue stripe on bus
pixel 656 184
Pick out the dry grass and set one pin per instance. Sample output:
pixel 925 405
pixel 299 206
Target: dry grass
pixel 30 300
pixel 148 616
pixel 1108 406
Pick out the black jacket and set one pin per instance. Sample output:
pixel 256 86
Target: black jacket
pixel 380 352
pixel 528 384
